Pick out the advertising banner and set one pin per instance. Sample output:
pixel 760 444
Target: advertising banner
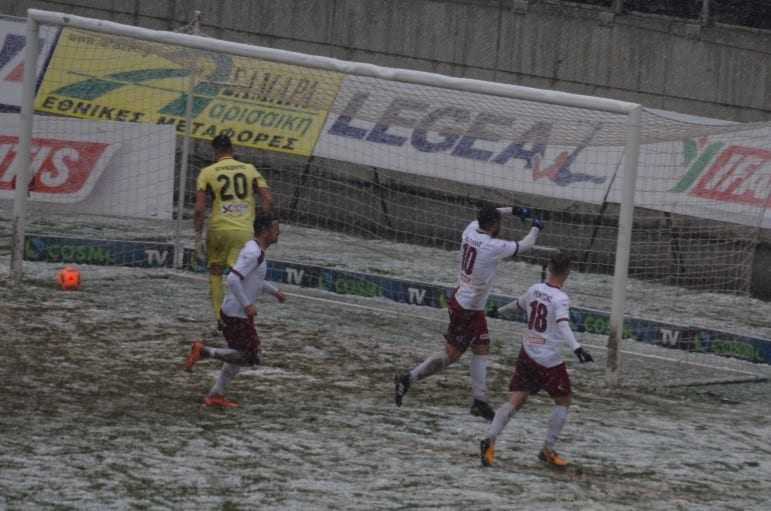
pixel 58 249
pixel 258 104
pixel 701 340
pixel 724 177
pixel 12 44
pixel 550 150
pixel 471 138
pixel 119 169
pixel 155 255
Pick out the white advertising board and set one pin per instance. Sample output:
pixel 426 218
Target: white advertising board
pixel 471 138
pixel 550 150
pixel 724 177
pixel 103 168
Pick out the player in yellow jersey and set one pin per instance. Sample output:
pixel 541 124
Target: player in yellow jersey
pixel 233 187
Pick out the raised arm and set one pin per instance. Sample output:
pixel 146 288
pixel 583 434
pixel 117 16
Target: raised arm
pixel 523 213
pixel 528 241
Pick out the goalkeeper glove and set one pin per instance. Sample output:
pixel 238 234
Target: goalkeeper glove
pixel 583 355
pixel 522 213
pixel 538 222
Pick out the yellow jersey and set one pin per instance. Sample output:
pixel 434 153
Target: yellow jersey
pixel 232 184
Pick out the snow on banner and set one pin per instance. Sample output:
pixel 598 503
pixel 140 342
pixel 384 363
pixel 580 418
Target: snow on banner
pixel 93 167
pixel 260 104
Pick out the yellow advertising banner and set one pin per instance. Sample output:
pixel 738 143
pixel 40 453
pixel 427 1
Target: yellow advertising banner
pixel 260 104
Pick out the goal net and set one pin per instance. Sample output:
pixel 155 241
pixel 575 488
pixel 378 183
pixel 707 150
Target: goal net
pixel 378 170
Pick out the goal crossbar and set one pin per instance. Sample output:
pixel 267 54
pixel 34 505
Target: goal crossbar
pixel 332 64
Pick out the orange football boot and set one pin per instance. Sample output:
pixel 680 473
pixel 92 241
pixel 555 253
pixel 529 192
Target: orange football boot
pixel 219 400
pixel 196 354
pixel 486 452
pixel 551 457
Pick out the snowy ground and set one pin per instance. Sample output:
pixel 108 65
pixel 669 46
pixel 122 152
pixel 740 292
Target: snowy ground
pixel 99 415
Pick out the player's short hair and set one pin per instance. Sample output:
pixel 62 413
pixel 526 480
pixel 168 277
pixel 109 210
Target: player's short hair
pixel 263 222
pixel 221 143
pixel 559 263
pixel 488 216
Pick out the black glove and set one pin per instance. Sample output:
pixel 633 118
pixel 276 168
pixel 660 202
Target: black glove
pixel 522 213
pixel 538 222
pixel 583 355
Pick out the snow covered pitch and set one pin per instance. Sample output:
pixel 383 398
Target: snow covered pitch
pixel 98 413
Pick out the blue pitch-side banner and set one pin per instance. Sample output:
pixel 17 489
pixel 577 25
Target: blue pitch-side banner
pixel 155 255
pixel 60 249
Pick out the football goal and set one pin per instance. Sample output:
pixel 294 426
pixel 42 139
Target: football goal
pixel 662 213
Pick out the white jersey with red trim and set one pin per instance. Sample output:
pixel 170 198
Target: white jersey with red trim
pixel 546 306
pixel 250 268
pixel 479 256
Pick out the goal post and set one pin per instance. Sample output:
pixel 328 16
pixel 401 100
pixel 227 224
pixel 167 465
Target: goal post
pixel 623 248
pixel 647 204
pixel 24 159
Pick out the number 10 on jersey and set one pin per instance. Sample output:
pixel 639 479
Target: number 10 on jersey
pixel 469 258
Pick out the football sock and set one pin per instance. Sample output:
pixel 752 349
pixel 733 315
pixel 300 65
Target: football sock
pixel 217 293
pixel 229 356
pixel 225 376
pixel 558 418
pixel 479 377
pixel 503 415
pixel 432 365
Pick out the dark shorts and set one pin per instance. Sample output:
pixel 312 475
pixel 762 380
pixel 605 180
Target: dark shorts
pixel 530 376
pixel 466 327
pixel 240 334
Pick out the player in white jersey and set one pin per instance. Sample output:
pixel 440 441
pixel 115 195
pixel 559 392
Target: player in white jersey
pixel 480 252
pixel 540 365
pixel 246 281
